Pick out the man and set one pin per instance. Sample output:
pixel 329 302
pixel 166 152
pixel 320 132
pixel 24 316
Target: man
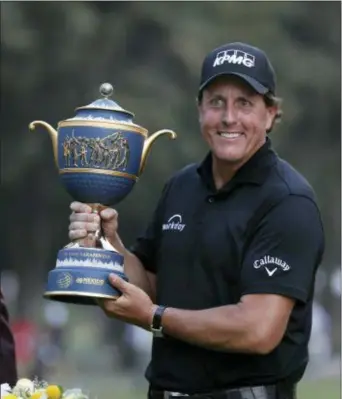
pixel 224 274
pixel 8 372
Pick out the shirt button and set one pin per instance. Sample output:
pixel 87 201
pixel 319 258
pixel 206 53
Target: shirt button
pixel 211 200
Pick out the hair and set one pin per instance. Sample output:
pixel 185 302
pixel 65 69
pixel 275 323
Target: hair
pixel 271 100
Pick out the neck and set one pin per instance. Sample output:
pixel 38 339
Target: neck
pixel 223 172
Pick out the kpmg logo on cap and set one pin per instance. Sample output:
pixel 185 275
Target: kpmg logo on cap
pixel 234 57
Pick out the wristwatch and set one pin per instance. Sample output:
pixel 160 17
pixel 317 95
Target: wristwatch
pixel 156 326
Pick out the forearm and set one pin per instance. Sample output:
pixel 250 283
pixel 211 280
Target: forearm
pixel 138 275
pixel 225 328
pixel 134 269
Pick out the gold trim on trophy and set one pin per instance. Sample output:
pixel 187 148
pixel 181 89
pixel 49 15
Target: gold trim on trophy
pixel 83 293
pixel 100 171
pixel 117 125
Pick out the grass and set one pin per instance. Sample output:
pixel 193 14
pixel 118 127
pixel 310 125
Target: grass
pixel 320 389
pixel 130 387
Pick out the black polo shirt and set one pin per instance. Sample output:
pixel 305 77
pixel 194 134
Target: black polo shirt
pixel 261 233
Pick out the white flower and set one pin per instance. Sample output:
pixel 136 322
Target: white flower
pixel 75 393
pixel 5 389
pixel 25 384
pixel 24 388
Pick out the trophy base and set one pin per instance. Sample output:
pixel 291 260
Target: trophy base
pixel 81 276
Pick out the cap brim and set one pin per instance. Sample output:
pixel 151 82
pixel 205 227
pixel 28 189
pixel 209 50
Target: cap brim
pixel 258 87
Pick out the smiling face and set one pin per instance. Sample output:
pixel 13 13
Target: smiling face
pixel 233 120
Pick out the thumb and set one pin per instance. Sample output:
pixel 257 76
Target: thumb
pixel 108 214
pixel 118 282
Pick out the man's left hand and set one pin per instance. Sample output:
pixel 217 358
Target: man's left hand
pixel 134 306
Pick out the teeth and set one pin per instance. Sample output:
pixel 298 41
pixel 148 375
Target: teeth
pixel 230 135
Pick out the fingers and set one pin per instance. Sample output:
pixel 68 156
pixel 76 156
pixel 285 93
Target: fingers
pixel 109 307
pixel 82 230
pixel 84 217
pixel 81 224
pixel 89 227
pixel 87 213
pixel 80 207
pixel 77 234
pixel 84 221
pixel 118 282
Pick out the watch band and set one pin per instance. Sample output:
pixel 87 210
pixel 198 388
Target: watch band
pixel 156 327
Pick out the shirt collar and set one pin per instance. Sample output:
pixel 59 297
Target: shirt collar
pixel 253 171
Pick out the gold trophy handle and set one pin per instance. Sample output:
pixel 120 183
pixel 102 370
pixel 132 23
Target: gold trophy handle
pixel 148 144
pixel 53 135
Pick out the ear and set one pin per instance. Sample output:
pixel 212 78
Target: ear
pixel 271 113
pixel 199 109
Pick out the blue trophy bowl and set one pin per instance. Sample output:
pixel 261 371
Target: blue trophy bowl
pixel 100 154
pixel 99 164
pixel 99 157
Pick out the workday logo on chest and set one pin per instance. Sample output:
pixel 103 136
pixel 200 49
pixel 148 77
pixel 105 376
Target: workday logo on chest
pixel 174 223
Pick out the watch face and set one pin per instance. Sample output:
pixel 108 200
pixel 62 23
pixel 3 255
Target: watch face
pixel 157 332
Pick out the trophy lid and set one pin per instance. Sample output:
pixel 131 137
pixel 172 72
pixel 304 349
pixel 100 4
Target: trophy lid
pixel 106 104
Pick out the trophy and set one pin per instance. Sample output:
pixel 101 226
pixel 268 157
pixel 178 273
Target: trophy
pixel 100 154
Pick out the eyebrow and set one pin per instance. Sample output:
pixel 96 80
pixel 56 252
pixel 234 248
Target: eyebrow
pixel 216 95
pixel 245 97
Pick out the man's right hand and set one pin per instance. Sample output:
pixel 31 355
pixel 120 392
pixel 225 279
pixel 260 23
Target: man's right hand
pixel 84 222
pixel 83 225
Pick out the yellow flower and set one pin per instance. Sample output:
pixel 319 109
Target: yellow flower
pixel 54 392
pixel 10 396
pixel 36 395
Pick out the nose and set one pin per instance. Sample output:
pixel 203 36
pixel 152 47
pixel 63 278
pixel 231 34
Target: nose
pixel 228 115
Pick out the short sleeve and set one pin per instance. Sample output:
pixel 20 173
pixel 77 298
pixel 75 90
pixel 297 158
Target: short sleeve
pixel 146 245
pixel 285 251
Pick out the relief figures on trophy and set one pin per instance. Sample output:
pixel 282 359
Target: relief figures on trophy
pixel 110 152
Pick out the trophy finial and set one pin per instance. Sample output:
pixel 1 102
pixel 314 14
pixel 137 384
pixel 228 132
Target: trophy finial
pixel 105 103
pixel 106 90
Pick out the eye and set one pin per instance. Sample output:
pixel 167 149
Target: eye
pixel 244 102
pixel 216 102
